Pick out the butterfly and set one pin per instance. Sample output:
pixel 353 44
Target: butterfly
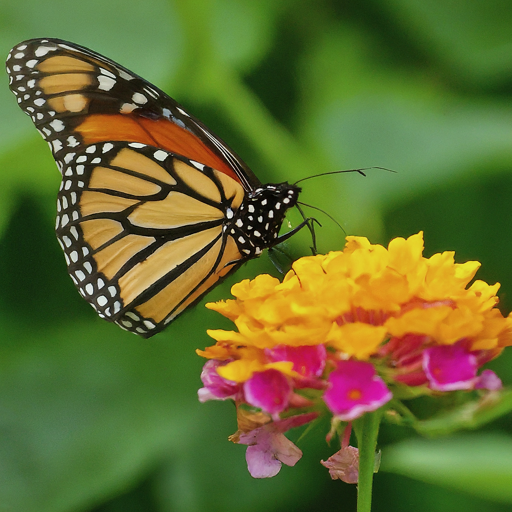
pixel 154 210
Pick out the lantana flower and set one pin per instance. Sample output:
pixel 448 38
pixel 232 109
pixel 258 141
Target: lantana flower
pixel 345 332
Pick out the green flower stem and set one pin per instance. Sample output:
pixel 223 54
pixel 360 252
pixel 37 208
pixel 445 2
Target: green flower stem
pixel 367 430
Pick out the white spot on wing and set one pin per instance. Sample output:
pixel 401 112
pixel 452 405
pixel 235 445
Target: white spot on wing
pixel 106 72
pixel 125 75
pixel 57 145
pixel 57 125
pixel 160 155
pixel 197 165
pixel 126 108
pixel 139 98
pixel 102 300
pixel 42 51
pixel 72 142
pixel 106 83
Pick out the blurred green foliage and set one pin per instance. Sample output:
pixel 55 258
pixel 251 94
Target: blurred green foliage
pixel 93 419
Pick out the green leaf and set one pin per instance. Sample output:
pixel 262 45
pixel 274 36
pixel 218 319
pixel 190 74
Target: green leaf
pixel 242 32
pixel 480 465
pixel 85 409
pixel 116 29
pixel 471 39
pixel 368 114
pixel 471 415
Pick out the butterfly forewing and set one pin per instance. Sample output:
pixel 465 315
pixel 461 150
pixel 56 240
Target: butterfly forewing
pixel 77 97
pixel 153 209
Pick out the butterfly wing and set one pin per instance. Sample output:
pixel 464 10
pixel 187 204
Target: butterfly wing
pixel 146 188
pixel 142 231
pixel 77 97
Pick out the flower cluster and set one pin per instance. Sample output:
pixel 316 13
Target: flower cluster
pixel 342 332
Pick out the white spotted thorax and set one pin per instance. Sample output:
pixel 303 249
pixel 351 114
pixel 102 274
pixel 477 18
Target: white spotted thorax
pixel 153 209
pixel 257 223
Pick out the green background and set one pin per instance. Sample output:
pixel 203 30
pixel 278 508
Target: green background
pixel 94 419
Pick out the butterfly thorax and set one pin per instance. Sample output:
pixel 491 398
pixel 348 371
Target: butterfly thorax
pixel 257 222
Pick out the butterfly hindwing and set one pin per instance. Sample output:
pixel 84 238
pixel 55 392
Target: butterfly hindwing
pixel 136 223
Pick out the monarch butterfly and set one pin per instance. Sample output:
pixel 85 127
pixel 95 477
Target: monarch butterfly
pixel 153 208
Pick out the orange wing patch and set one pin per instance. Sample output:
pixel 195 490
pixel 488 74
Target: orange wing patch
pixel 190 280
pixel 100 202
pixel 103 178
pixel 197 181
pixel 64 64
pixel 55 84
pixel 232 189
pixel 161 304
pixel 69 103
pixel 160 133
pixel 66 75
pixel 110 259
pixel 175 210
pixel 134 161
pixel 162 261
pixel 98 232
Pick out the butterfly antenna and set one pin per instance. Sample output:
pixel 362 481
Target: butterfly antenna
pixel 325 213
pixel 310 222
pixel 359 171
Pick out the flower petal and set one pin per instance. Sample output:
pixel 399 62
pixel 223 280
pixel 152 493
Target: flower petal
pixel 269 390
pixel 344 465
pixel 356 339
pixel 488 380
pixel 450 367
pixel 214 383
pixel 308 361
pixel 355 389
pixel 264 459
